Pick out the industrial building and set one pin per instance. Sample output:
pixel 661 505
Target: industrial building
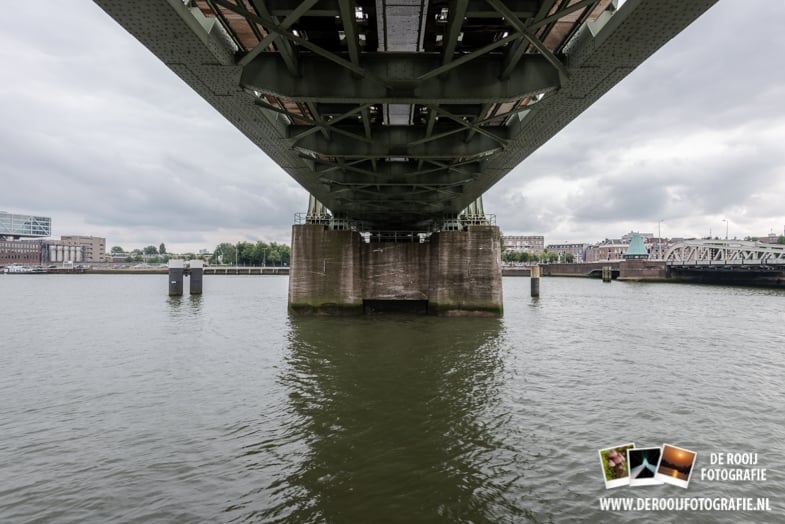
pixel 93 248
pixel 22 243
pixel 14 227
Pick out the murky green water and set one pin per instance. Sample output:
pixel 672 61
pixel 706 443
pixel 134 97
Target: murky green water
pixel 118 403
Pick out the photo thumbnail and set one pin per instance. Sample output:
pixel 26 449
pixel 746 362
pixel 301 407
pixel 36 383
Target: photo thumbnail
pixel 643 465
pixel 614 464
pixel 675 466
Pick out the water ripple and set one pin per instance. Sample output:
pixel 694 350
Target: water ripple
pixel 121 404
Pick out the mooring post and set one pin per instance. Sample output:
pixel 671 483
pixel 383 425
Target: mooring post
pixel 197 269
pixel 176 270
pixel 535 279
pixel 606 273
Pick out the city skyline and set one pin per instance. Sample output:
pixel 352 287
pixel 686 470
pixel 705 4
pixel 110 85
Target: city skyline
pixel 103 138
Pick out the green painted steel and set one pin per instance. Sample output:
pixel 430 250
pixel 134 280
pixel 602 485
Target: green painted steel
pixel 401 115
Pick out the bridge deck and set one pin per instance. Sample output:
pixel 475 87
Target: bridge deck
pixel 399 115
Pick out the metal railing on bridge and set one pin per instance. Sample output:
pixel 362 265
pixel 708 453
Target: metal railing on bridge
pixel 369 235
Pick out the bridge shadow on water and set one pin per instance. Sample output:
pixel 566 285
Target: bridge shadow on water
pixel 392 419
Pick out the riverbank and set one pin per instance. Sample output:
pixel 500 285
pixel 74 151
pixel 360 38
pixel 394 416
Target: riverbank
pixel 105 270
pixel 659 271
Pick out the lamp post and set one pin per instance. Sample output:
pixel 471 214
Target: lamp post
pixel 659 240
pixel 726 227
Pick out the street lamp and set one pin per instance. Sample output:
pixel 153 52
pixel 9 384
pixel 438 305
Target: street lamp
pixel 659 240
pixel 726 227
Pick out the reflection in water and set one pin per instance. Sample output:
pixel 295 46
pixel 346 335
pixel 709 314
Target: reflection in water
pixel 183 305
pixel 392 419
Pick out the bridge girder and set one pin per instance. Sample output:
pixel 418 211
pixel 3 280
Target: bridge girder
pixel 325 87
pixel 719 252
pixel 400 78
pixel 397 141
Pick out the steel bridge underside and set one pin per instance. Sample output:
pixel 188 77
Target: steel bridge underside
pixel 400 114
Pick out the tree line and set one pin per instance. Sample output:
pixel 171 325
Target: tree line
pixel 241 253
pixel 252 254
pixel 548 257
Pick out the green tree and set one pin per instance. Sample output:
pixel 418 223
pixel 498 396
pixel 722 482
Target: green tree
pixel 549 257
pixel 117 249
pixel 223 254
pixel 162 249
pixel 286 254
pixel 260 253
pixel 569 258
pixel 274 257
pixel 254 254
pixel 781 239
pixel 246 254
pixel 150 250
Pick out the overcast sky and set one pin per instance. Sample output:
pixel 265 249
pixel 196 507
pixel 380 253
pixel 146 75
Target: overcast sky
pixel 98 134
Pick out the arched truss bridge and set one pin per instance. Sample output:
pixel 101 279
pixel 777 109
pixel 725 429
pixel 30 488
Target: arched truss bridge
pixel 725 252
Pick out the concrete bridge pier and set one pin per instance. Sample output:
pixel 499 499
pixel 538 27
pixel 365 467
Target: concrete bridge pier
pixel 196 270
pixel 176 273
pixel 456 273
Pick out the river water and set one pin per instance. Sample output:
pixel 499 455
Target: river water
pixel 121 404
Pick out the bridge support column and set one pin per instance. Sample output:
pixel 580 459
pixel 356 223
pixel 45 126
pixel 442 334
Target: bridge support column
pixel 535 280
pixel 176 272
pixel 466 272
pixel 325 272
pixel 195 279
pixel 337 273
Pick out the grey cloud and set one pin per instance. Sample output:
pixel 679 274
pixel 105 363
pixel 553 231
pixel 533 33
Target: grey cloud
pixel 95 126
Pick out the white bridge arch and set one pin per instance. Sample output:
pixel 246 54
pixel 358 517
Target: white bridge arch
pixel 724 252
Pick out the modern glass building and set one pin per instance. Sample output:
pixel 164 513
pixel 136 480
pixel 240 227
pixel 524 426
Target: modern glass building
pixel 19 226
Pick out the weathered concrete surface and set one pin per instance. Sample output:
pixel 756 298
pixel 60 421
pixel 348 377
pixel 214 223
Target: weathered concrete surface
pixel 586 269
pixel 456 273
pixel 325 273
pixel 624 269
pixel 396 271
pixel 642 270
pixel 176 273
pixel 466 272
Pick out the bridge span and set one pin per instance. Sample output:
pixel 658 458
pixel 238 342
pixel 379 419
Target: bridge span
pixel 727 262
pixel 400 115
pixel 712 253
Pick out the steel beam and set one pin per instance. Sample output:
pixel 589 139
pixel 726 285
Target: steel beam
pixel 395 141
pixel 475 9
pixel 394 78
pixel 343 156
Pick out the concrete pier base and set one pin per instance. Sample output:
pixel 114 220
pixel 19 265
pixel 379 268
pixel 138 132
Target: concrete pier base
pixel 176 272
pixel 195 278
pixel 535 281
pixel 337 273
